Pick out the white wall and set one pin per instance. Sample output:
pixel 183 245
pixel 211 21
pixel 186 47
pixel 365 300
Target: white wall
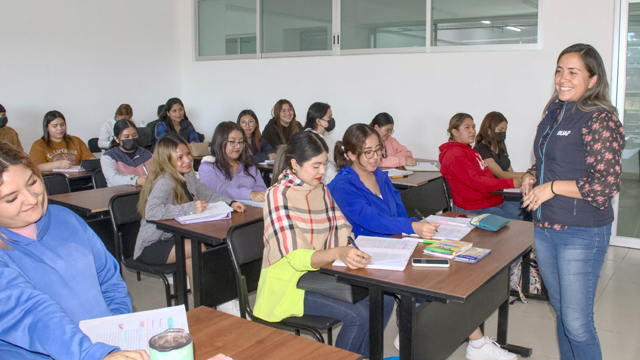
pixel 85 58
pixel 421 91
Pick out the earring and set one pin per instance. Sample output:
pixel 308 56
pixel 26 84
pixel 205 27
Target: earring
pixel 294 171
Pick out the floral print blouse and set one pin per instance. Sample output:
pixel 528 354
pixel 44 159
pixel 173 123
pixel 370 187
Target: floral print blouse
pixel 603 140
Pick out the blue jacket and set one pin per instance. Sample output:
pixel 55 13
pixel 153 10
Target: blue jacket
pixel 367 213
pixel 48 286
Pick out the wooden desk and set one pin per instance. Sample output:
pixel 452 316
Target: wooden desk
pixel 212 233
pixel 418 178
pixel 453 301
pixel 91 201
pixel 215 332
pixel 78 181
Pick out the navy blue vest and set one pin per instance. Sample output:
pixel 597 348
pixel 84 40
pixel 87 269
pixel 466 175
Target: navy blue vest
pixel 563 158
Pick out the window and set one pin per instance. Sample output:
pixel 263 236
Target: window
pixel 232 29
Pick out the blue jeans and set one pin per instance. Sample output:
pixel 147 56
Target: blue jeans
pixel 570 263
pixel 354 334
pixel 508 209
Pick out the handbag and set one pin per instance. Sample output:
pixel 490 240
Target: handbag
pixel 199 150
pixel 328 285
pixel 489 222
pixel 90 165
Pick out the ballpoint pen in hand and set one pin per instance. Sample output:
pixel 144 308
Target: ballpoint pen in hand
pixel 352 242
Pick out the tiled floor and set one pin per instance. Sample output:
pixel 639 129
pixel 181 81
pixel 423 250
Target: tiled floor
pixel 617 312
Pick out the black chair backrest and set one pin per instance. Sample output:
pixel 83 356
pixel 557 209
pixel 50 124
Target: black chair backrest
pixel 126 223
pixel 448 194
pixel 93 145
pixel 145 137
pixel 56 183
pixel 98 179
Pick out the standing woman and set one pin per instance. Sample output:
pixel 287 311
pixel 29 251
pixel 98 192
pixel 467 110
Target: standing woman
pixel 174 120
pixel 304 229
pixel 124 111
pixel 490 144
pixel 578 149
pixel 234 172
pixel 173 190
pixel 282 126
pixel 56 149
pixel 126 163
pixel 395 154
pixel 320 120
pixel 260 149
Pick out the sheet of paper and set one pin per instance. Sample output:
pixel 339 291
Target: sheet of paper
pixel 449 220
pixel 396 172
pixel 386 253
pixel 513 190
pixel 423 166
pixel 215 211
pixel 451 232
pixel 268 162
pixel 75 168
pixel 253 203
pixel 133 331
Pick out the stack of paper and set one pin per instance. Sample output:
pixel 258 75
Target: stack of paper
pixel 387 254
pixel 133 331
pixel 396 172
pixel 75 168
pixel 215 211
pixel 451 228
pixel 423 166
pixel 253 203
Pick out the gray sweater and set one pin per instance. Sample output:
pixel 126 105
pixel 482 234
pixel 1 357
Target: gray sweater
pixel 160 207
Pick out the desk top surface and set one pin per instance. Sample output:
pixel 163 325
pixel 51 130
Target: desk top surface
pixel 418 177
pixel 461 279
pixel 91 201
pixel 215 332
pixel 71 175
pixel 210 230
pixel 265 167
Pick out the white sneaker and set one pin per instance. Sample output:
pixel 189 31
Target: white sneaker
pixel 396 342
pixel 230 307
pixel 489 351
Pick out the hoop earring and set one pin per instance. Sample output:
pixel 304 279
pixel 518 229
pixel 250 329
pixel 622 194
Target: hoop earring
pixel 294 171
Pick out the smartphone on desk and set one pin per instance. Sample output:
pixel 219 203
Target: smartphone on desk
pixel 430 262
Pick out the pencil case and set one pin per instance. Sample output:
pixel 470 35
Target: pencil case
pixel 489 222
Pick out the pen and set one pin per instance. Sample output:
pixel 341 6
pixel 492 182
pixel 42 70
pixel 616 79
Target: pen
pixel 399 177
pixel 429 241
pixel 421 217
pixel 145 169
pixel 352 242
pixel 440 250
pixel 64 157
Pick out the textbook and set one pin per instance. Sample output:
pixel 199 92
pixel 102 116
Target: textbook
pixel 386 253
pixel 447 249
pixel 395 172
pixel 422 166
pixel 472 255
pixel 133 331
pixel 215 211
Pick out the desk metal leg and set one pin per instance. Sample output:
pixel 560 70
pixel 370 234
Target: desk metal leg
pixel 503 326
pixel 376 322
pixel 196 282
pixel 407 308
pixel 181 274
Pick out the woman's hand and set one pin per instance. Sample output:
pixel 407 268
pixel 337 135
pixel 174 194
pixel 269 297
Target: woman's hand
pixel 140 180
pixel 537 196
pixel 63 164
pixel 272 156
pixel 353 257
pixel 127 355
pixel 527 182
pixel 257 196
pixel 410 161
pixel 425 229
pixel 201 206
pixel 237 206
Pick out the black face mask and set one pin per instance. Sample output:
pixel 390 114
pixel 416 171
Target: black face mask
pixel 332 125
pixel 3 121
pixel 501 136
pixel 129 144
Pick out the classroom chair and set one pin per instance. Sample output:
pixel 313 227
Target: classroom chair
pixel 126 224
pixel 56 183
pixel 98 179
pixel 246 247
pixel 146 139
pixel 93 145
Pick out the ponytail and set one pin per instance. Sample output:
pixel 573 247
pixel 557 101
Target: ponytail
pixel 340 156
pixel 280 163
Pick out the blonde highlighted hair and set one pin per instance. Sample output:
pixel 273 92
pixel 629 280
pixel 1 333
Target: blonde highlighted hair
pixel 164 162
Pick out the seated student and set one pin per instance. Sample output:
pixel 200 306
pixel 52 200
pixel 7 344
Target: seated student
pixel 365 193
pixel 320 120
pixel 125 163
pixel 490 144
pixel 259 147
pixel 293 247
pixel 174 120
pixel 282 126
pixel 173 190
pixel 54 273
pixel 124 111
pixel 233 173
pixel 470 179
pixel 7 134
pixel 56 149
pixel 395 154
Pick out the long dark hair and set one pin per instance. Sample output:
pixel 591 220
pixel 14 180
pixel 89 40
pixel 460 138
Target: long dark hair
pixel 353 140
pixel 303 147
pixel 487 132
pixel 48 118
pixel 317 110
pixel 256 135
pixel 218 145
pixel 598 95
pixel 277 108
pixel 382 119
pixel 120 126
pixel 165 114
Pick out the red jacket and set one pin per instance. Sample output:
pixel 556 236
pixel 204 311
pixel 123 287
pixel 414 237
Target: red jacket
pixel 470 178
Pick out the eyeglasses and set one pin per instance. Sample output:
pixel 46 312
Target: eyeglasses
pixel 235 143
pixel 249 123
pixel 286 110
pixel 369 153
pixel 388 131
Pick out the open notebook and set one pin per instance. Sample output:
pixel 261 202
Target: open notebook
pixel 387 254
pixel 215 211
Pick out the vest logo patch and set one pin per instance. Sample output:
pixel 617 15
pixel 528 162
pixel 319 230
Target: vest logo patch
pixel 563 132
